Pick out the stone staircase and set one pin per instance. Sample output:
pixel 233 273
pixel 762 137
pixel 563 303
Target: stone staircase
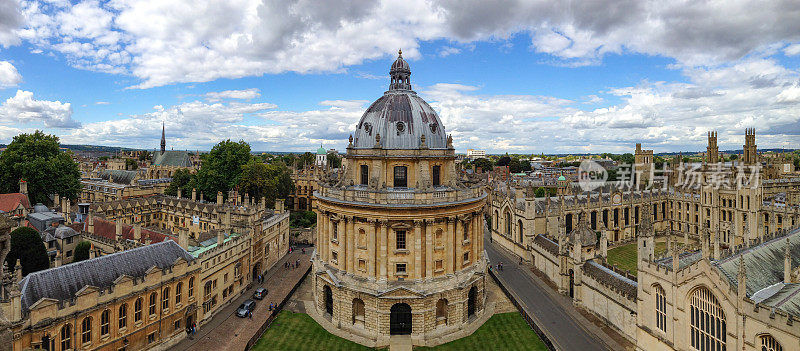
pixel 400 343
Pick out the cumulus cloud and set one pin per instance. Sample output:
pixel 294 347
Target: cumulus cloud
pixel 239 38
pixel 10 20
pixel 245 94
pixel 22 108
pixel 9 76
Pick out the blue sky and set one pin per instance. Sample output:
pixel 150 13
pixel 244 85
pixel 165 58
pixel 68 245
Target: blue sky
pixel 520 77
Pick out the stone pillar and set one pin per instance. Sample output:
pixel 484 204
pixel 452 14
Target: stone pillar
pixel 384 236
pixel 451 236
pixel 183 239
pixel 449 247
pixel 194 194
pixel 475 236
pixel 371 236
pixel 137 232
pixel 428 250
pixel 417 249
pixel 458 258
pixel 180 193
pixel 219 198
pixel 118 231
pixel 351 238
pixel 322 236
pixel 342 239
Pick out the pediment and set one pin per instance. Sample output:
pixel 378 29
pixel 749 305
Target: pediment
pixel 400 292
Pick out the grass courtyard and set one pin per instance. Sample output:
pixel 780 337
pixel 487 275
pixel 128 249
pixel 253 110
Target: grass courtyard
pixel 625 256
pixel 297 331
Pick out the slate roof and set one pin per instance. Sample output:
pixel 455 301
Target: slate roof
pixel 172 158
pixel 763 263
pixel 787 298
pixel 62 232
pixel 9 202
pixel 608 277
pixel 684 259
pixel 118 176
pixel 546 243
pixel 62 283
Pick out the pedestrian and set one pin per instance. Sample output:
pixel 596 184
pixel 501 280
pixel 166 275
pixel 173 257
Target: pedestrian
pixel 250 314
pixel 194 328
pixel 303 250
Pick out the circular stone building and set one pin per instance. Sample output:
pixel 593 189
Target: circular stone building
pixel 399 237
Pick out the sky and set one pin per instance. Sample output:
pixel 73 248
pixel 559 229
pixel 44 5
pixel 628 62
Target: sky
pixel 505 76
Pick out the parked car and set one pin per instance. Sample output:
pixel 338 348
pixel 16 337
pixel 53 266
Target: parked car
pixel 246 308
pixel 260 293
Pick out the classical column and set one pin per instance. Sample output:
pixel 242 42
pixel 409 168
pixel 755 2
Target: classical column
pixel 475 236
pixel 371 251
pixel 458 258
pixel 450 244
pixel 342 249
pixel 418 249
pixel 321 235
pixel 351 238
pixel 384 247
pixel 428 250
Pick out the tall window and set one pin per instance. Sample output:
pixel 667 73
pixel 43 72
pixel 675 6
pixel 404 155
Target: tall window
pixel 86 330
pixel 661 308
pixel 768 343
pixel 364 175
pixel 66 337
pixel 400 180
pixel 435 177
pixel 178 292
pixel 152 309
pixel 400 237
pixel 137 310
pixel 123 315
pixel 707 321
pixel 165 299
pixel 104 321
pixel 191 287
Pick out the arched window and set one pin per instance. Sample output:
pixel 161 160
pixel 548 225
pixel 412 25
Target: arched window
pixel 152 308
pixel 661 308
pixel 358 312
pixel 86 330
pixel 520 228
pixel 165 299
pixel 137 310
pixel 123 315
pixel 178 292
pixel 707 321
pixel 496 220
pixel 104 322
pixel 191 286
pixel 508 223
pixel 768 343
pixel 441 312
pixel 66 337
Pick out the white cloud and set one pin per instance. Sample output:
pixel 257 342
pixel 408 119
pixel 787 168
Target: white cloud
pixel 22 108
pixel 448 50
pixel 102 103
pixel 792 50
pixel 245 94
pixel 10 20
pixel 9 76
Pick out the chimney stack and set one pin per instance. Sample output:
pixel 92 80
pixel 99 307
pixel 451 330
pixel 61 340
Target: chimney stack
pixel 219 198
pixel 279 205
pixel 787 264
pixel 90 223
pixel 119 230
pixel 137 233
pixel 194 194
pixel 23 187
pixel 180 193
pixel 183 239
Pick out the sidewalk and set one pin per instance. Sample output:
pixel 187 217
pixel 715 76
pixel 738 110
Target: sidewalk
pixel 226 331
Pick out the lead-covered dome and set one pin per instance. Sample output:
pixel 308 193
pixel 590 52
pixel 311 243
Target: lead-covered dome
pixel 400 117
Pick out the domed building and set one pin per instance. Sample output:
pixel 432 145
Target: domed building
pixel 399 236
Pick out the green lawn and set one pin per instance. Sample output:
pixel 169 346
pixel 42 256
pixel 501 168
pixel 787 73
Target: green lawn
pixel 504 331
pixel 625 256
pixel 298 331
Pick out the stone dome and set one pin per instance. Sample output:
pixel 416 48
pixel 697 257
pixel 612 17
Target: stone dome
pixel 400 117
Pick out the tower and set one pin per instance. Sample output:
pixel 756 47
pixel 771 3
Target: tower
pixel 750 151
pixel 322 158
pixel 392 259
pixel 712 151
pixel 645 236
pixel 643 166
pixel 163 139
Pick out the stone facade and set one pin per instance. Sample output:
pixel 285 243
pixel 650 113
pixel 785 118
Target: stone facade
pixel 399 235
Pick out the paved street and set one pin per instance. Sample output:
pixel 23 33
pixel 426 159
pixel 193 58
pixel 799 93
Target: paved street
pixel 226 331
pixel 558 319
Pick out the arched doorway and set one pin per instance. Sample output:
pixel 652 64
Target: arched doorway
pixel 328 300
pixel 400 319
pixel 256 270
pixel 571 283
pixel 472 298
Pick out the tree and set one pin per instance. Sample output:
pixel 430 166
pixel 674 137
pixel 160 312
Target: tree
pixel 273 181
pixel 131 164
pixel 334 161
pixel 28 247
pixel 504 161
pixel 144 155
pixel 526 166
pixel 734 156
pixel 514 166
pixel 221 168
pixel 181 179
pixel 82 251
pixel 540 192
pixel 302 219
pixel 483 163
pixel 37 159
pixel 306 159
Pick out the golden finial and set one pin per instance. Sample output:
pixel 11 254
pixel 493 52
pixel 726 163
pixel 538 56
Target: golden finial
pixel 400 52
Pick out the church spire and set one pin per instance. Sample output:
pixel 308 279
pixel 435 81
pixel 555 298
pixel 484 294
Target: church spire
pixel 163 139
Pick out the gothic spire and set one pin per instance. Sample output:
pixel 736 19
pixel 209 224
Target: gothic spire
pixel 163 139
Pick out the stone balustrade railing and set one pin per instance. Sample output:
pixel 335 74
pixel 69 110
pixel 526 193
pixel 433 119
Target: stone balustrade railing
pixel 400 196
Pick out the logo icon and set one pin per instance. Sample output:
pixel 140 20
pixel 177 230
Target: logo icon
pixel 591 175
